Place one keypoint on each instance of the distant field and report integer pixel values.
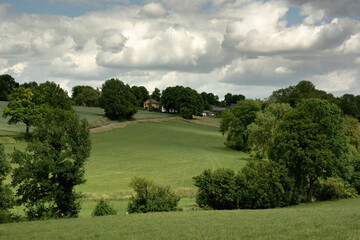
(324, 220)
(170, 153)
(5, 127)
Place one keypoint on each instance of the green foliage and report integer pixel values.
(333, 188)
(235, 122)
(7, 84)
(53, 96)
(118, 100)
(185, 113)
(23, 107)
(52, 165)
(261, 131)
(156, 95)
(294, 94)
(209, 99)
(311, 143)
(85, 96)
(260, 184)
(6, 199)
(141, 94)
(233, 99)
(175, 98)
(264, 184)
(151, 198)
(103, 208)
(217, 189)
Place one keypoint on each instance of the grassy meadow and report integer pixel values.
(171, 153)
(324, 220)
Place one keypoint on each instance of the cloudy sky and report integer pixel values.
(238, 46)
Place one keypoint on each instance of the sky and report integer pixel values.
(249, 47)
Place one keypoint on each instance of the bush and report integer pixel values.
(217, 189)
(264, 184)
(333, 188)
(151, 198)
(103, 208)
(185, 113)
(260, 184)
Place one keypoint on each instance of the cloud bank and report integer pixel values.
(218, 46)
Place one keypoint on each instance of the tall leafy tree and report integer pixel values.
(54, 96)
(23, 107)
(233, 99)
(52, 166)
(235, 122)
(118, 100)
(7, 84)
(311, 143)
(261, 131)
(156, 95)
(141, 94)
(85, 96)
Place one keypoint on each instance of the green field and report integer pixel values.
(170, 153)
(324, 220)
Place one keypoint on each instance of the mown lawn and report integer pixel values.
(324, 220)
(169, 153)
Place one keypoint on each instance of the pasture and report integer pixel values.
(323, 220)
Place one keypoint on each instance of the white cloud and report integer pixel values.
(230, 46)
(153, 10)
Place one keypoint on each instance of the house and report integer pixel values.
(154, 104)
(208, 113)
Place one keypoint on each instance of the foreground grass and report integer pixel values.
(169, 153)
(325, 220)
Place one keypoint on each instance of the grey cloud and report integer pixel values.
(111, 40)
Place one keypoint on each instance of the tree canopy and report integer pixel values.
(7, 84)
(85, 96)
(52, 165)
(118, 100)
(235, 122)
(175, 99)
(311, 143)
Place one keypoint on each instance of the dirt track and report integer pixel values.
(116, 125)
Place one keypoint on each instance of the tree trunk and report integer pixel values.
(310, 191)
(27, 128)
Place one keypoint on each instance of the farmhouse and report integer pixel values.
(154, 104)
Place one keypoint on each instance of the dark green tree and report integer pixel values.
(141, 94)
(156, 95)
(233, 99)
(209, 99)
(235, 122)
(118, 100)
(294, 94)
(311, 143)
(30, 85)
(7, 84)
(6, 201)
(85, 96)
(52, 165)
(54, 96)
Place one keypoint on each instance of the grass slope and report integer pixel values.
(325, 220)
(170, 153)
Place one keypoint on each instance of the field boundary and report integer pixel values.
(118, 125)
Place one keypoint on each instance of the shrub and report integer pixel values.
(333, 188)
(264, 184)
(103, 208)
(216, 189)
(185, 113)
(151, 198)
